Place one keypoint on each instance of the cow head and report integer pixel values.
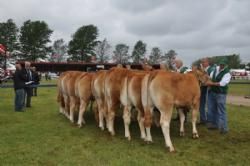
(201, 75)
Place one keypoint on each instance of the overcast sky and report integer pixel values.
(193, 28)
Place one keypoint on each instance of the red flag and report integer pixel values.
(2, 49)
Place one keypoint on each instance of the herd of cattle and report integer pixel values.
(143, 90)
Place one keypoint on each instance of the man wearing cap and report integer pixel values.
(203, 99)
(217, 116)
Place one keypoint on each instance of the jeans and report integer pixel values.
(19, 99)
(203, 99)
(217, 114)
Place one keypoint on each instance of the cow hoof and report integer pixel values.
(182, 134)
(112, 133)
(172, 150)
(79, 126)
(195, 135)
(102, 128)
(148, 141)
(129, 138)
(143, 138)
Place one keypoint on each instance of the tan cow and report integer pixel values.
(131, 97)
(63, 98)
(99, 93)
(69, 95)
(113, 85)
(84, 93)
(60, 98)
(164, 90)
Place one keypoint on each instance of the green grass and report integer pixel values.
(41, 136)
(239, 89)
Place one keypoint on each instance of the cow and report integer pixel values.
(112, 85)
(98, 92)
(131, 97)
(84, 93)
(60, 98)
(166, 90)
(69, 95)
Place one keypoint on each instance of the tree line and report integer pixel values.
(32, 42)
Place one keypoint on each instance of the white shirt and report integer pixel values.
(225, 79)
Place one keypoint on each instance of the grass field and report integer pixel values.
(41, 136)
(239, 89)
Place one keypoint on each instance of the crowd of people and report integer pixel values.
(25, 81)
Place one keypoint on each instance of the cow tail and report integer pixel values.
(92, 85)
(147, 112)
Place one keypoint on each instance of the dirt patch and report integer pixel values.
(238, 100)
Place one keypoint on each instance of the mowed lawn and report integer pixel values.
(239, 89)
(42, 136)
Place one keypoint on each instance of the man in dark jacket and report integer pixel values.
(36, 80)
(19, 84)
(28, 87)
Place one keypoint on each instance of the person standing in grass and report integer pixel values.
(19, 84)
(28, 87)
(217, 115)
(36, 79)
(204, 91)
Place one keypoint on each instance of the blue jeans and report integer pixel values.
(217, 114)
(19, 99)
(203, 101)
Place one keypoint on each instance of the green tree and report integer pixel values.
(155, 55)
(102, 51)
(34, 37)
(8, 36)
(121, 53)
(138, 52)
(59, 51)
(83, 43)
(232, 60)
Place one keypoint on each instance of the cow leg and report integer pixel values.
(100, 113)
(127, 120)
(66, 101)
(194, 120)
(61, 102)
(81, 120)
(140, 120)
(95, 110)
(148, 123)
(72, 109)
(165, 126)
(111, 118)
(182, 120)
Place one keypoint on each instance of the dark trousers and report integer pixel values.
(34, 91)
(28, 94)
(203, 101)
(19, 99)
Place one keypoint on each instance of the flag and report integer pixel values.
(2, 49)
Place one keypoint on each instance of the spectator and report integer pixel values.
(19, 85)
(36, 80)
(217, 115)
(203, 99)
(28, 87)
